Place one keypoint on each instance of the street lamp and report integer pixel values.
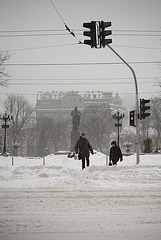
(118, 117)
(5, 118)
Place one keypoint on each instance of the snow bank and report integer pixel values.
(65, 173)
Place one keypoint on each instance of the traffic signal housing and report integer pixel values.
(97, 33)
(104, 33)
(91, 34)
(132, 118)
(144, 108)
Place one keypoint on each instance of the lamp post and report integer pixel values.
(5, 118)
(118, 117)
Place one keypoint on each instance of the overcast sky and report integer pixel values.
(136, 27)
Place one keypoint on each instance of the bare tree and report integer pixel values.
(128, 135)
(96, 121)
(156, 120)
(22, 112)
(52, 135)
(4, 75)
(144, 128)
(150, 127)
(58, 134)
(1, 142)
(28, 139)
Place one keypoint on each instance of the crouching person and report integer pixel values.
(83, 149)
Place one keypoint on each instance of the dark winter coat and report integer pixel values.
(84, 147)
(115, 154)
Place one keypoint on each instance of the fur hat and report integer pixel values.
(113, 142)
(83, 134)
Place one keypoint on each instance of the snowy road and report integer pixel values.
(47, 214)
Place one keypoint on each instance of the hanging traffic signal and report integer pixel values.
(105, 33)
(97, 34)
(91, 34)
(144, 108)
(132, 118)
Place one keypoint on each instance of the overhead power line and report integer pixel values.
(73, 83)
(31, 30)
(77, 30)
(34, 35)
(80, 81)
(153, 48)
(35, 94)
(83, 79)
(74, 44)
(67, 28)
(78, 64)
(80, 34)
(42, 47)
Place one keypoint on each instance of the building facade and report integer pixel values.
(60, 104)
(54, 120)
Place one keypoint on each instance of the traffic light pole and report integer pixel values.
(137, 104)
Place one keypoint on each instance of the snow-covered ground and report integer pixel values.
(59, 201)
(61, 172)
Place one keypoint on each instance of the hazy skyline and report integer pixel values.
(53, 45)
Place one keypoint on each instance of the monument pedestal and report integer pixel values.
(74, 138)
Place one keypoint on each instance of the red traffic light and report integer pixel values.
(132, 118)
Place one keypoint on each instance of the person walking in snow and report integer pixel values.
(83, 149)
(115, 153)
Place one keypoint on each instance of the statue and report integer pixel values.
(75, 119)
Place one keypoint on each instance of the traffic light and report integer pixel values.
(91, 34)
(97, 34)
(132, 118)
(144, 108)
(104, 33)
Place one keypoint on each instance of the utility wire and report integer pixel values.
(78, 30)
(72, 83)
(83, 79)
(79, 64)
(35, 94)
(74, 44)
(138, 35)
(67, 28)
(43, 47)
(65, 34)
(153, 48)
(32, 30)
(52, 30)
(57, 11)
(35, 35)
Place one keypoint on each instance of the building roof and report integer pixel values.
(117, 98)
